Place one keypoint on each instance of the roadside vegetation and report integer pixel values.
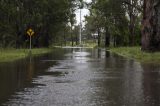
(137, 54)
(11, 54)
(125, 23)
(50, 20)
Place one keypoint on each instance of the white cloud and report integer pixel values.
(83, 13)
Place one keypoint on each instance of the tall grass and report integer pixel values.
(14, 54)
(136, 53)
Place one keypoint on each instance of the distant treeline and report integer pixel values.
(126, 22)
(48, 18)
(117, 22)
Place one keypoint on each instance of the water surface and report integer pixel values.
(79, 77)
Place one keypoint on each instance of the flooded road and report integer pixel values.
(79, 77)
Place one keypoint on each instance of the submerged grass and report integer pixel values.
(14, 54)
(136, 53)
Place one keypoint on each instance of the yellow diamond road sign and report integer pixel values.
(30, 32)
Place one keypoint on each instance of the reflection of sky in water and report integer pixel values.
(85, 77)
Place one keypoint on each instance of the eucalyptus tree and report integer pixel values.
(121, 20)
(112, 15)
(134, 11)
(151, 25)
(95, 24)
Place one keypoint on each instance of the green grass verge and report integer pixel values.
(136, 53)
(7, 55)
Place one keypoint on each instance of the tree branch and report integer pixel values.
(138, 8)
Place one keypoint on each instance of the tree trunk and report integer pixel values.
(64, 37)
(132, 17)
(107, 38)
(114, 41)
(151, 26)
(76, 39)
(132, 30)
(99, 38)
(72, 36)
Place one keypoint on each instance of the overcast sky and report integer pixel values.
(84, 12)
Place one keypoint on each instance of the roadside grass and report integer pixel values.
(136, 53)
(11, 54)
(86, 43)
(91, 45)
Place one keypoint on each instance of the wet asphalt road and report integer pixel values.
(79, 77)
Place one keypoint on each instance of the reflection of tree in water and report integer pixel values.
(30, 70)
(19, 74)
(132, 83)
(107, 78)
(96, 53)
(114, 61)
(151, 84)
(107, 53)
(12, 78)
(99, 53)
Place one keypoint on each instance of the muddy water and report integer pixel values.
(79, 77)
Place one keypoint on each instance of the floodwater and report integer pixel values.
(79, 77)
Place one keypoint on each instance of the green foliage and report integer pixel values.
(11, 54)
(114, 18)
(136, 53)
(45, 17)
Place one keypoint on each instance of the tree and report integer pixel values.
(94, 24)
(151, 25)
(45, 17)
(121, 20)
(113, 19)
(133, 10)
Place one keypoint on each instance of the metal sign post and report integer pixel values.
(80, 29)
(30, 32)
(30, 47)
